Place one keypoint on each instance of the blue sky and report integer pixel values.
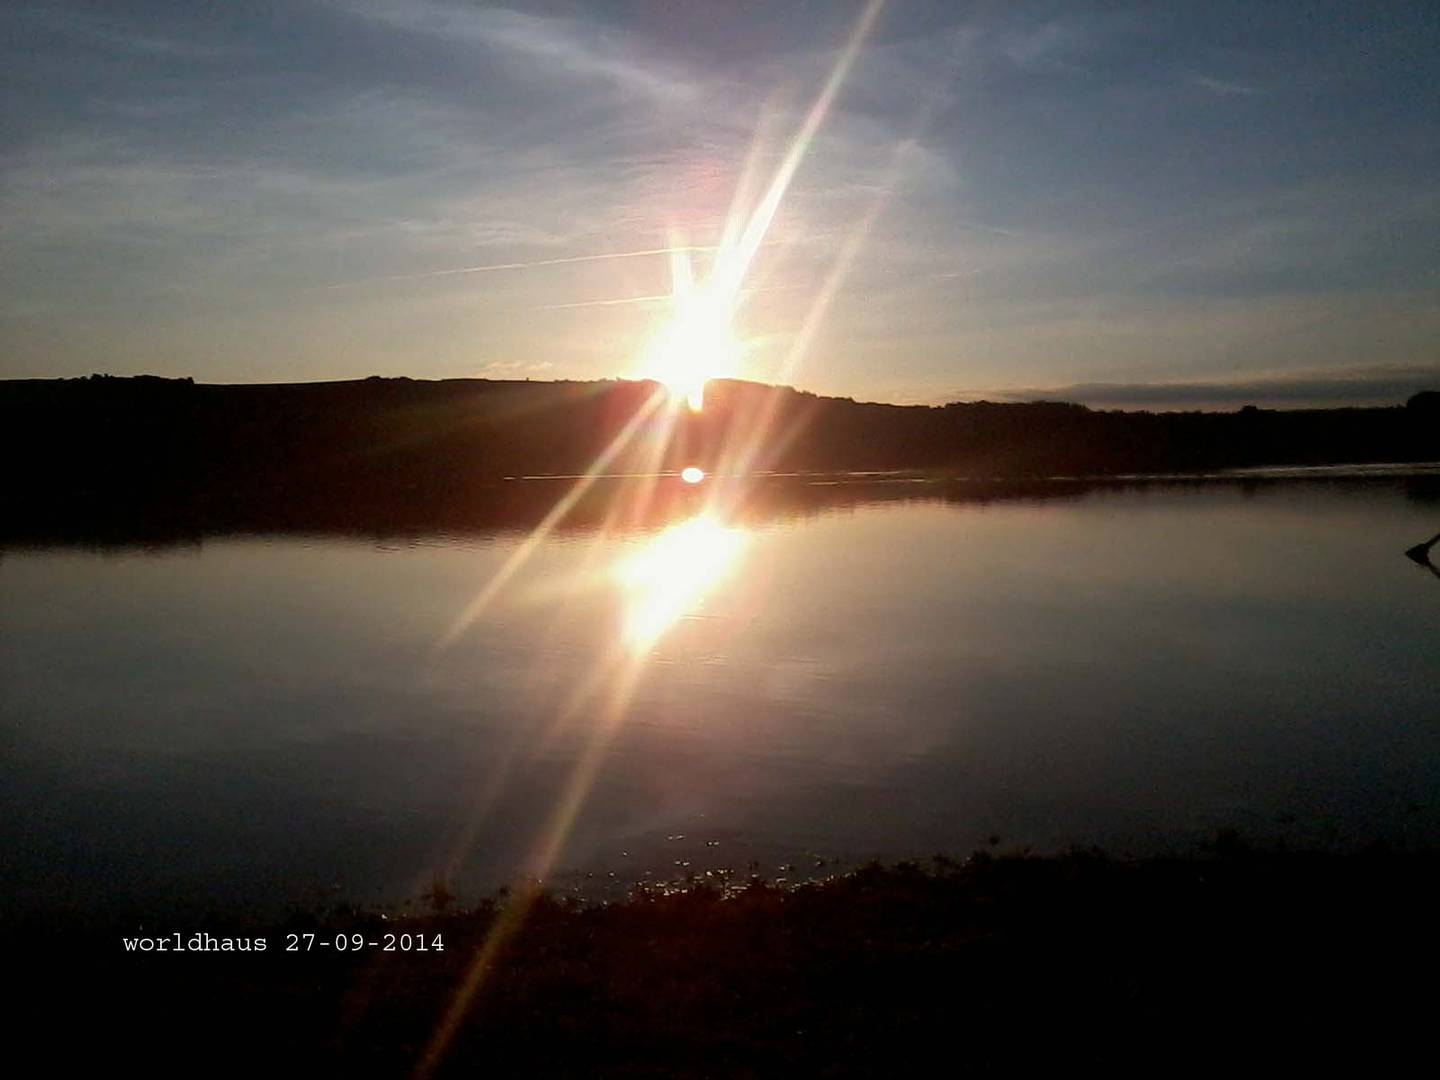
(1136, 204)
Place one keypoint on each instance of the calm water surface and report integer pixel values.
(277, 719)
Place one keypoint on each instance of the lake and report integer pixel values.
(793, 677)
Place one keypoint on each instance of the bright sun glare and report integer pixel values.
(696, 344)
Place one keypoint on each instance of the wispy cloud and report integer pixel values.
(108, 34)
(1223, 87)
(1051, 44)
(533, 264)
(1357, 386)
(568, 48)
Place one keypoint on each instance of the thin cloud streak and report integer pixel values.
(658, 297)
(620, 301)
(495, 267)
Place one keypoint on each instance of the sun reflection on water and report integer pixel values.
(672, 574)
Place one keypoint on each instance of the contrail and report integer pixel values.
(493, 267)
(656, 298)
(607, 303)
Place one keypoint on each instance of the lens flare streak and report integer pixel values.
(697, 343)
(675, 572)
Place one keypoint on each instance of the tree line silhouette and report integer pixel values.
(103, 445)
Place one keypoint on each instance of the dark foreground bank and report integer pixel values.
(998, 965)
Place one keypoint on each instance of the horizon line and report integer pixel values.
(1228, 397)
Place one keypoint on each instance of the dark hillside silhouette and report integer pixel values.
(95, 447)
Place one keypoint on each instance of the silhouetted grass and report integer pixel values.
(999, 964)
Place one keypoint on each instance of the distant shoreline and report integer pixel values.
(519, 505)
(118, 452)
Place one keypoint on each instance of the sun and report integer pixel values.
(696, 343)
